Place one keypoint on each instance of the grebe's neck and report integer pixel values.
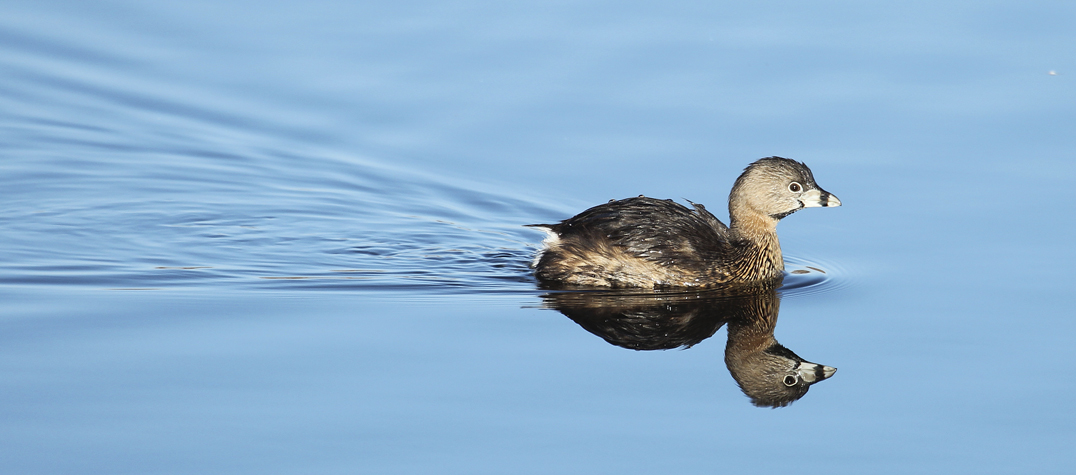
(760, 251)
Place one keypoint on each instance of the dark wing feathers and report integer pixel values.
(658, 230)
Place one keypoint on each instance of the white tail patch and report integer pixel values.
(551, 239)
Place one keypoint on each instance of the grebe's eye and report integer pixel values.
(791, 380)
(795, 187)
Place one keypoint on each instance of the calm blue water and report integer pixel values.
(251, 238)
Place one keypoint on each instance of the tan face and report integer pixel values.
(777, 187)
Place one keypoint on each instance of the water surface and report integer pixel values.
(243, 238)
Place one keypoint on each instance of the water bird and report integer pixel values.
(651, 243)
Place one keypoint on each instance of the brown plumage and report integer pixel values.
(650, 243)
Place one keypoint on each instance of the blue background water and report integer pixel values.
(251, 238)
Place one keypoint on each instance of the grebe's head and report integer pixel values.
(776, 187)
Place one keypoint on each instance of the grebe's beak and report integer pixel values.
(819, 198)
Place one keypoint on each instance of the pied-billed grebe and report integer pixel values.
(650, 243)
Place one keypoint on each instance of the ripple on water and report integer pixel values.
(805, 277)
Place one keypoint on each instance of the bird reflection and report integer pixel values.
(767, 372)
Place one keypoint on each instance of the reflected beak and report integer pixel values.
(819, 198)
(813, 373)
